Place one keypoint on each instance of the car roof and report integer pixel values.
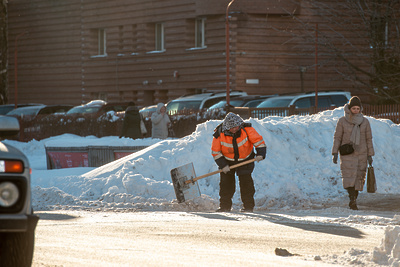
(294, 97)
(20, 110)
(300, 95)
(36, 109)
(252, 97)
(148, 108)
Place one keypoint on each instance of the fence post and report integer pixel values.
(292, 109)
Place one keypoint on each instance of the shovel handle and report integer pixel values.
(219, 171)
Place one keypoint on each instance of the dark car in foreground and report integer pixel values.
(17, 221)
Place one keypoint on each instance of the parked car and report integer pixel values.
(17, 220)
(4, 109)
(147, 111)
(198, 102)
(250, 101)
(96, 108)
(219, 110)
(325, 100)
(32, 112)
(302, 101)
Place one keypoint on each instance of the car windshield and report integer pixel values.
(253, 103)
(177, 106)
(275, 103)
(222, 104)
(83, 109)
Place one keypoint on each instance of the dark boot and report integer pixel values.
(353, 203)
(223, 210)
(353, 194)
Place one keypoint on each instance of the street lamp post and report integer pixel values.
(16, 68)
(227, 52)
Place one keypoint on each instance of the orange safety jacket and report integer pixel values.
(224, 145)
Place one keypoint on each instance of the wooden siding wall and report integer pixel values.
(281, 55)
(58, 59)
(49, 54)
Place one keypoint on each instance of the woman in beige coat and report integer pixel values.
(353, 129)
(160, 122)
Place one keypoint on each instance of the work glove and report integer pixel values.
(259, 158)
(369, 158)
(226, 169)
(334, 158)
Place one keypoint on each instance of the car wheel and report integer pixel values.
(16, 249)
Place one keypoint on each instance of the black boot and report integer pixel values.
(353, 194)
(353, 203)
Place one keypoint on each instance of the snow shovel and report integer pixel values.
(184, 180)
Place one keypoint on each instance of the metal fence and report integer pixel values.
(390, 112)
(182, 123)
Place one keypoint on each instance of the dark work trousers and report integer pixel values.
(227, 189)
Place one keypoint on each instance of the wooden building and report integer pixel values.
(150, 51)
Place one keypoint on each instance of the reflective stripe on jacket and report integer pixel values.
(239, 148)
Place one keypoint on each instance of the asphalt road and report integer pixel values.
(81, 238)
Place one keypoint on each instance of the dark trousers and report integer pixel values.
(227, 187)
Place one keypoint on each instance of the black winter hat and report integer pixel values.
(354, 101)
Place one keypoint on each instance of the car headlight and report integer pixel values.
(11, 166)
(9, 194)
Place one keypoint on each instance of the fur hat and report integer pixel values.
(354, 101)
(231, 120)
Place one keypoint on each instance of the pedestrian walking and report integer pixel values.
(234, 142)
(133, 125)
(353, 133)
(160, 122)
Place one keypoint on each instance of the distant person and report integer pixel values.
(133, 123)
(234, 142)
(355, 130)
(160, 122)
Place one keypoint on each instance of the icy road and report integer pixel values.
(88, 238)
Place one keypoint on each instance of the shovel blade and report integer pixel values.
(185, 191)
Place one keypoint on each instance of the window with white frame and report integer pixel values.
(101, 37)
(159, 37)
(200, 26)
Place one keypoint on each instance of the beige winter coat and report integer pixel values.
(160, 123)
(353, 166)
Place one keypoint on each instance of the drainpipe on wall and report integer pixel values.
(227, 54)
(16, 68)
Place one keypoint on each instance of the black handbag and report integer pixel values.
(346, 149)
(371, 180)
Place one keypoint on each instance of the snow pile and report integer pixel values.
(388, 253)
(297, 173)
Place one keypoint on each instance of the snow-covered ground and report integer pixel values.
(297, 177)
